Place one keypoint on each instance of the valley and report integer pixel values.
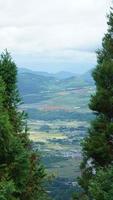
(58, 121)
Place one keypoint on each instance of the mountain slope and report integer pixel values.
(63, 75)
(30, 82)
(58, 75)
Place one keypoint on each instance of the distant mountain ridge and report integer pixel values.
(34, 82)
(29, 83)
(64, 75)
(59, 75)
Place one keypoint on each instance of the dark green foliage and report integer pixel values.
(98, 145)
(8, 73)
(21, 174)
(101, 185)
(102, 101)
(7, 189)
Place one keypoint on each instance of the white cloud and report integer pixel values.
(51, 28)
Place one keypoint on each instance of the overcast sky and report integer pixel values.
(53, 35)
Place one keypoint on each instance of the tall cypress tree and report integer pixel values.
(8, 184)
(98, 145)
(21, 174)
(8, 72)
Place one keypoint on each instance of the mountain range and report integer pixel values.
(32, 82)
(59, 75)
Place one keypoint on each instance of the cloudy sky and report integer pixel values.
(53, 35)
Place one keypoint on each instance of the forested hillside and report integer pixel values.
(31, 82)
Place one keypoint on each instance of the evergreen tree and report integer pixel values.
(8, 72)
(98, 145)
(101, 185)
(21, 173)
